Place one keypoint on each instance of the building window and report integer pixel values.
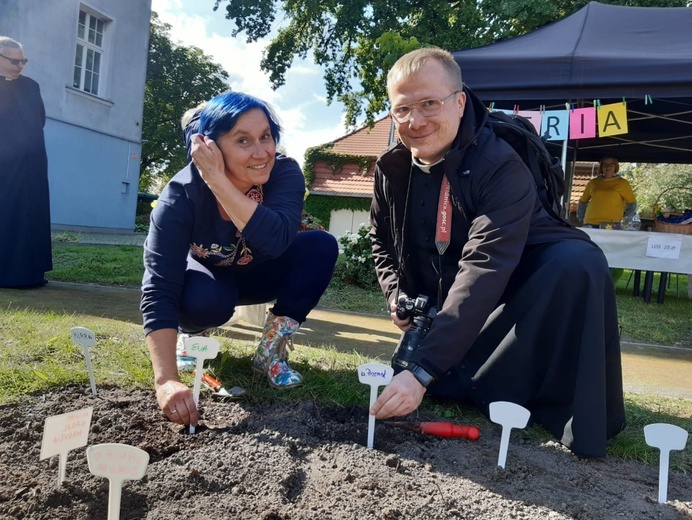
(89, 52)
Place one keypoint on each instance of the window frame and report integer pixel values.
(87, 52)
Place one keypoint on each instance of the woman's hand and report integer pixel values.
(175, 400)
(400, 397)
(208, 159)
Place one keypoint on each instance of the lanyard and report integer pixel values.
(444, 219)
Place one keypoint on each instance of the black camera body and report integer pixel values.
(422, 314)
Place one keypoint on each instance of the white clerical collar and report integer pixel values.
(425, 168)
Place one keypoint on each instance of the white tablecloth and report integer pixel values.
(628, 249)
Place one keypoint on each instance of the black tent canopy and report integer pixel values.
(606, 53)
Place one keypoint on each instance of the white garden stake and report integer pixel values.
(201, 348)
(375, 375)
(86, 339)
(508, 415)
(117, 463)
(665, 437)
(65, 432)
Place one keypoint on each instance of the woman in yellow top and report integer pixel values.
(607, 197)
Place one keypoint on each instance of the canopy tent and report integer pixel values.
(606, 53)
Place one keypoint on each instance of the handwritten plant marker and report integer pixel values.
(201, 348)
(117, 463)
(65, 432)
(375, 375)
(665, 437)
(86, 339)
(508, 415)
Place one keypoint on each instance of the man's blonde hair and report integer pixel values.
(412, 62)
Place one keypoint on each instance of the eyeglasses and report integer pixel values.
(427, 108)
(15, 61)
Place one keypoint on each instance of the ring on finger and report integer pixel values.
(174, 411)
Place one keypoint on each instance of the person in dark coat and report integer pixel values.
(24, 199)
(524, 305)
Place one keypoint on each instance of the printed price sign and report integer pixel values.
(62, 433)
(664, 247)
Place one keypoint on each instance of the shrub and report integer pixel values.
(358, 266)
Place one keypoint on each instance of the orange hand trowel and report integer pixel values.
(219, 390)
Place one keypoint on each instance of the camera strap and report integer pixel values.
(443, 229)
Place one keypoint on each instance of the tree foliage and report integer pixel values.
(357, 41)
(669, 185)
(178, 78)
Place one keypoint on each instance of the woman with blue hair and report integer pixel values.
(225, 233)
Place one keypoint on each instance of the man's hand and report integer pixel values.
(400, 397)
(175, 400)
(404, 324)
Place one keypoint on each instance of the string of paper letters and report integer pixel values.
(577, 123)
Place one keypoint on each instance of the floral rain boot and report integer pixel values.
(271, 357)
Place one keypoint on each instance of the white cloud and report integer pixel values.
(301, 103)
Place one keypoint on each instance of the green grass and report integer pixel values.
(666, 324)
(103, 265)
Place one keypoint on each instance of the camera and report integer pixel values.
(422, 314)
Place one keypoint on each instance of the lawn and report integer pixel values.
(665, 324)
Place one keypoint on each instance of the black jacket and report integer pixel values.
(497, 214)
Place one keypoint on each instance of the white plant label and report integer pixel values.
(201, 348)
(375, 375)
(508, 415)
(86, 339)
(665, 437)
(117, 463)
(65, 432)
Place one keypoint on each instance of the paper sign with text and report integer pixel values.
(65, 432)
(612, 119)
(117, 461)
(534, 117)
(83, 337)
(582, 123)
(201, 347)
(664, 247)
(375, 374)
(555, 125)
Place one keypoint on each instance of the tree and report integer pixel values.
(357, 41)
(178, 78)
(669, 185)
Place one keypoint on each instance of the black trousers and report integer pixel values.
(552, 345)
(296, 280)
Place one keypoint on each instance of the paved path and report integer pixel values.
(649, 369)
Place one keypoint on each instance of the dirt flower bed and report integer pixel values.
(308, 461)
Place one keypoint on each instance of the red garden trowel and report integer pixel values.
(218, 389)
(440, 429)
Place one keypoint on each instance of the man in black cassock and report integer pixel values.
(526, 308)
(24, 199)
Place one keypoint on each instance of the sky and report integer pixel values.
(301, 103)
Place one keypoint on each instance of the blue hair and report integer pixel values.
(222, 113)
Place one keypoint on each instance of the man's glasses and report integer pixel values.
(427, 108)
(15, 61)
